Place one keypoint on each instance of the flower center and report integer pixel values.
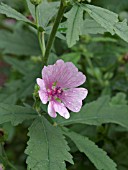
(55, 92)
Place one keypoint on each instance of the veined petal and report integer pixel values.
(41, 84)
(51, 110)
(42, 92)
(61, 109)
(70, 77)
(73, 97)
(43, 96)
(65, 74)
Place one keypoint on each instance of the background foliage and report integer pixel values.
(94, 138)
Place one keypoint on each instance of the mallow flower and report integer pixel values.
(58, 86)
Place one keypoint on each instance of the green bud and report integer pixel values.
(3, 136)
(35, 94)
(36, 2)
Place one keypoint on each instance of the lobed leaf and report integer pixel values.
(15, 114)
(99, 112)
(47, 148)
(121, 29)
(74, 24)
(46, 11)
(12, 13)
(108, 20)
(96, 155)
(92, 27)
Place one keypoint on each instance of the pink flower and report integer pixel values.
(58, 86)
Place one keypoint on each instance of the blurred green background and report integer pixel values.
(102, 58)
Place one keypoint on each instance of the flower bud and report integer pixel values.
(36, 2)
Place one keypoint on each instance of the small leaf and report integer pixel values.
(96, 155)
(74, 23)
(121, 29)
(92, 27)
(12, 13)
(99, 112)
(15, 114)
(47, 148)
(46, 11)
(107, 19)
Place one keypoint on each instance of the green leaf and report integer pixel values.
(8, 99)
(19, 65)
(92, 27)
(12, 13)
(15, 114)
(99, 112)
(108, 20)
(28, 82)
(96, 155)
(73, 56)
(121, 29)
(8, 94)
(58, 34)
(47, 148)
(74, 24)
(31, 8)
(20, 42)
(46, 11)
(104, 17)
(24, 87)
(119, 98)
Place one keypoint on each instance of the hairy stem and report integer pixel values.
(40, 34)
(53, 32)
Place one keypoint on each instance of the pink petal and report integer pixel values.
(61, 109)
(43, 96)
(41, 84)
(65, 74)
(42, 92)
(47, 75)
(51, 110)
(72, 98)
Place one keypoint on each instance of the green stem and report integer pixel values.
(6, 158)
(53, 32)
(43, 44)
(40, 34)
(0, 149)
